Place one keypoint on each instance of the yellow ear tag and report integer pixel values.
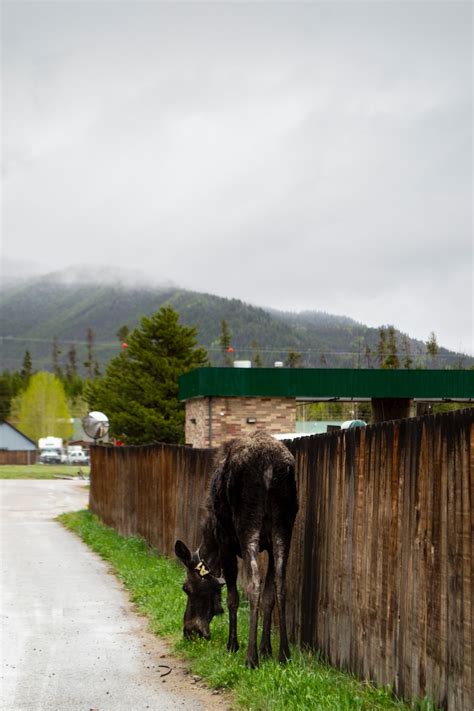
(202, 570)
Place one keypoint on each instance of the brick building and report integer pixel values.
(213, 420)
(222, 403)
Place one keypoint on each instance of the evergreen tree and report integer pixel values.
(432, 348)
(391, 361)
(42, 410)
(55, 353)
(26, 368)
(359, 342)
(71, 365)
(224, 342)
(368, 357)
(382, 347)
(256, 357)
(122, 333)
(293, 360)
(407, 359)
(5, 397)
(73, 384)
(139, 391)
(91, 364)
(11, 385)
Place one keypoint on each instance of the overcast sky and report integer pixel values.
(296, 155)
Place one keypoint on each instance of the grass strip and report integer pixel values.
(305, 683)
(41, 471)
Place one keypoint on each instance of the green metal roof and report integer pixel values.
(317, 383)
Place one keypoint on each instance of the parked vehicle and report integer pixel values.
(350, 424)
(51, 450)
(77, 456)
(50, 443)
(51, 456)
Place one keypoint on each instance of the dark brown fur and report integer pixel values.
(251, 507)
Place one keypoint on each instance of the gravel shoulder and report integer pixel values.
(70, 637)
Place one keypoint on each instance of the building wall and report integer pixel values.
(218, 419)
(10, 438)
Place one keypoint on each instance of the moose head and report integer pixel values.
(203, 590)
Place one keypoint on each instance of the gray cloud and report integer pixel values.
(314, 155)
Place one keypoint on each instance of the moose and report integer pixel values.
(251, 507)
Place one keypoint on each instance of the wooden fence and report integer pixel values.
(13, 456)
(381, 569)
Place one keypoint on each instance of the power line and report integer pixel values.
(240, 349)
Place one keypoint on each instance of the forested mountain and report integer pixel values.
(34, 313)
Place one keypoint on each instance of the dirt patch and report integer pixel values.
(162, 667)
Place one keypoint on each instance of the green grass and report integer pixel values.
(40, 471)
(304, 684)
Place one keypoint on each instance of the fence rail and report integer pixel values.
(381, 571)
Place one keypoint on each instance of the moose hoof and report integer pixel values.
(251, 662)
(265, 652)
(233, 646)
(284, 656)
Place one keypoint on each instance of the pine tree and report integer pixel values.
(55, 353)
(91, 364)
(368, 356)
(71, 366)
(73, 384)
(11, 385)
(224, 342)
(5, 397)
(122, 333)
(407, 359)
(139, 391)
(432, 348)
(382, 347)
(359, 342)
(26, 368)
(391, 361)
(293, 360)
(256, 356)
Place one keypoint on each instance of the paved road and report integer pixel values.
(70, 640)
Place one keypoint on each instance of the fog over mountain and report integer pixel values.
(65, 306)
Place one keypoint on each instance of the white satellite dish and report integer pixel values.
(96, 425)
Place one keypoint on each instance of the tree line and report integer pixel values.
(139, 387)
(138, 390)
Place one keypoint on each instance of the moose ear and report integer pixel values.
(182, 552)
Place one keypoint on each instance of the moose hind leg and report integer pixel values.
(253, 592)
(281, 558)
(230, 575)
(268, 603)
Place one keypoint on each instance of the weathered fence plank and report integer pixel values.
(20, 456)
(381, 570)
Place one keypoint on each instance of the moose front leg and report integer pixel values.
(230, 575)
(253, 591)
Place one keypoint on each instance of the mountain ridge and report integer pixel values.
(35, 311)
